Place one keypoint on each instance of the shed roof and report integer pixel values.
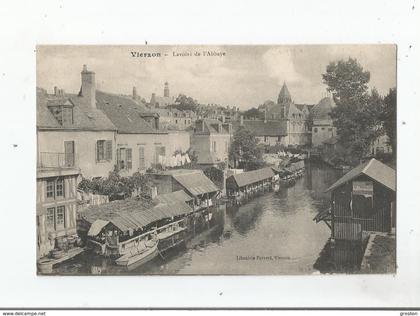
(179, 196)
(249, 177)
(374, 169)
(195, 182)
(133, 214)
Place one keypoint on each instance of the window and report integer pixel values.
(315, 130)
(103, 150)
(278, 138)
(265, 139)
(125, 158)
(55, 188)
(214, 146)
(50, 188)
(59, 187)
(323, 128)
(160, 151)
(59, 217)
(69, 153)
(56, 217)
(142, 164)
(50, 216)
(176, 121)
(63, 114)
(329, 129)
(226, 147)
(185, 122)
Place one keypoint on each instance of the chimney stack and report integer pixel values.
(88, 90)
(242, 120)
(55, 90)
(134, 93)
(265, 115)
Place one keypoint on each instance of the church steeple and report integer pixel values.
(284, 95)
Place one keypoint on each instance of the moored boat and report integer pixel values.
(139, 256)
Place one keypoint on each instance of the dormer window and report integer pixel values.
(62, 113)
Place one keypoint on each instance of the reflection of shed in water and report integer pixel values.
(363, 200)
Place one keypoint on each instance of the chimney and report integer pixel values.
(242, 120)
(88, 90)
(166, 90)
(134, 93)
(55, 90)
(265, 115)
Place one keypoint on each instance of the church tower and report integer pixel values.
(284, 100)
(284, 95)
(166, 90)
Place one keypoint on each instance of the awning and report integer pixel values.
(96, 227)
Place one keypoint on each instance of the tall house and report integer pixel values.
(72, 131)
(56, 204)
(211, 142)
(322, 123)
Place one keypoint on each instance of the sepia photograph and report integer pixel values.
(216, 160)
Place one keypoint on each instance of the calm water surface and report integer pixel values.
(272, 234)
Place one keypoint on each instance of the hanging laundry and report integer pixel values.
(183, 160)
(187, 158)
(178, 159)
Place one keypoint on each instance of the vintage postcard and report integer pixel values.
(216, 160)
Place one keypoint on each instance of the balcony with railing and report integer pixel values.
(56, 160)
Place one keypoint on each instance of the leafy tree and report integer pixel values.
(253, 113)
(389, 117)
(245, 151)
(357, 114)
(184, 102)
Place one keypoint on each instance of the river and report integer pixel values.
(273, 234)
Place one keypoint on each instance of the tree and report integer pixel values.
(185, 103)
(245, 151)
(389, 117)
(357, 114)
(253, 113)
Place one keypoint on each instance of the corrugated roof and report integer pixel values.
(124, 113)
(261, 128)
(249, 177)
(133, 214)
(374, 169)
(195, 182)
(179, 196)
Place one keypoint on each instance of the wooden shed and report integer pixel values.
(363, 200)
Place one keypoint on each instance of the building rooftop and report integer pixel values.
(125, 114)
(264, 128)
(249, 177)
(84, 116)
(374, 169)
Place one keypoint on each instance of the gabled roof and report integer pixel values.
(261, 128)
(124, 113)
(249, 177)
(374, 169)
(210, 127)
(194, 181)
(84, 116)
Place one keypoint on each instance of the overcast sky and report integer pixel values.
(245, 77)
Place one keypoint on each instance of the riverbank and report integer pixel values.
(380, 254)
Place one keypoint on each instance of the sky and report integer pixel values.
(244, 76)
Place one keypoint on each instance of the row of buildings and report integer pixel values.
(289, 124)
(91, 133)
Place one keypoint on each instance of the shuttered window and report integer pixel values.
(129, 159)
(108, 153)
(142, 164)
